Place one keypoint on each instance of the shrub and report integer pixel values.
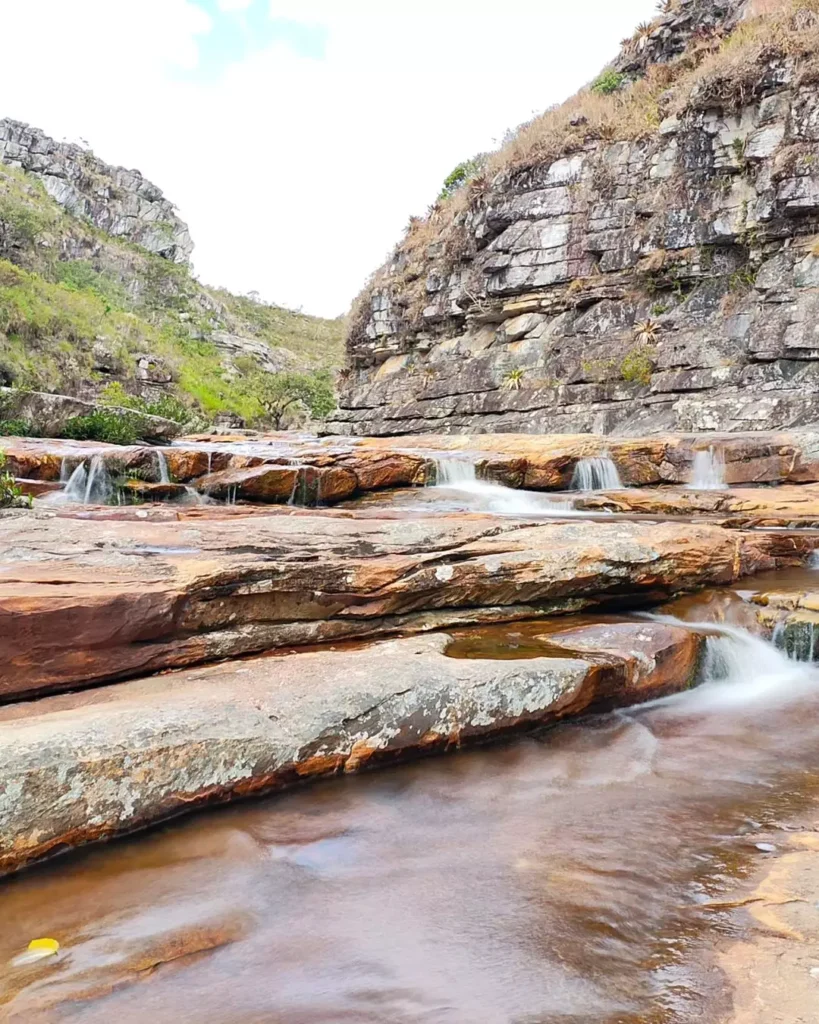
(513, 379)
(169, 407)
(637, 366)
(10, 493)
(17, 428)
(463, 173)
(104, 425)
(646, 330)
(609, 82)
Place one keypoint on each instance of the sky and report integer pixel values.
(296, 137)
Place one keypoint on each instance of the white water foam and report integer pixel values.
(454, 470)
(457, 476)
(708, 471)
(162, 465)
(739, 670)
(89, 484)
(599, 474)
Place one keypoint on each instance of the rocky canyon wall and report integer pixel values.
(643, 258)
(121, 202)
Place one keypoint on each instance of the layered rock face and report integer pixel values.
(88, 766)
(642, 260)
(121, 202)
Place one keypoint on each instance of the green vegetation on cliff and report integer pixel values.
(80, 310)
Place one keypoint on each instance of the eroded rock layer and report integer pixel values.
(305, 470)
(86, 600)
(88, 766)
(642, 259)
(121, 202)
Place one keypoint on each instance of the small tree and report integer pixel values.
(463, 173)
(280, 393)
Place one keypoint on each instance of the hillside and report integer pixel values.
(97, 296)
(643, 257)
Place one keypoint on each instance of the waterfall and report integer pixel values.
(708, 472)
(454, 470)
(89, 484)
(162, 466)
(598, 474)
(740, 669)
(457, 478)
(74, 489)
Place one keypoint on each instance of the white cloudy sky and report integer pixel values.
(297, 136)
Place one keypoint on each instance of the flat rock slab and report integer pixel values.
(85, 601)
(87, 766)
(786, 502)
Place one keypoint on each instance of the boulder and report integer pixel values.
(259, 483)
(50, 413)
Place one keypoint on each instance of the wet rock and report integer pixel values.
(535, 462)
(93, 765)
(145, 490)
(37, 488)
(77, 608)
(259, 483)
(783, 504)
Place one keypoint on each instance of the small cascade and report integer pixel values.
(454, 471)
(162, 467)
(194, 497)
(75, 485)
(740, 669)
(65, 471)
(456, 476)
(599, 474)
(89, 484)
(708, 471)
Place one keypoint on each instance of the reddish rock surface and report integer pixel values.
(784, 502)
(87, 766)
(260, 483)
(86, 600)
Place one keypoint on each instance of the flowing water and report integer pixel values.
(162, 467)
(457, 488)
(600, 474)
(89, 484)
(708, 471)
(573, 877)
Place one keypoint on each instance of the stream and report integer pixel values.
(564, 878)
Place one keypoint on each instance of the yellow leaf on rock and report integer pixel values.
(46, 945)
(37, 949)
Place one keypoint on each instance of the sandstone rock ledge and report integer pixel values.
(84, 601)
(87, 766)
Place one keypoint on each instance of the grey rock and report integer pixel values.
(121, 202)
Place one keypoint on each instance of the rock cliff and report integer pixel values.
(120, 202)
(642, 258)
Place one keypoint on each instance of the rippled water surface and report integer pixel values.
(564, 878)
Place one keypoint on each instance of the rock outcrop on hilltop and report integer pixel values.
(97, 297)
(643, 258)
(121, 202)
